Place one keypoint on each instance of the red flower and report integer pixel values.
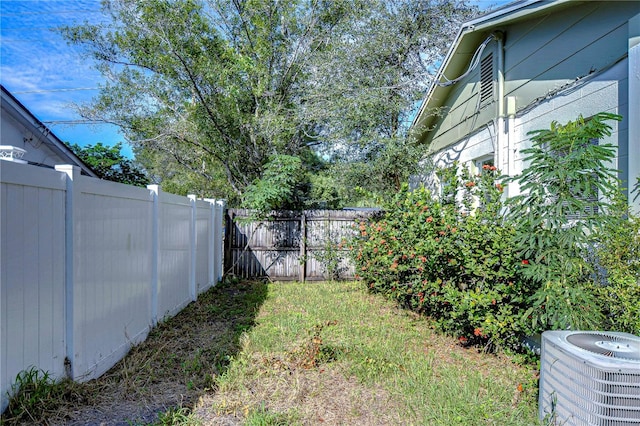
(462, 339)
(470, 184)
(485, 167)
(525, 262)
(430, 219)
(477, 332)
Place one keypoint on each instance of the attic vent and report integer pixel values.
(486, 79)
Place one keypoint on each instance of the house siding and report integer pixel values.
(549, 53)
(543, 55)
(607, 92)
(14, 134)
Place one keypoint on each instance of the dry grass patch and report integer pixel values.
(166, 374)
(322, 395)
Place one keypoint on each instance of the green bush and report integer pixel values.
(563, 206)
(616, 282)
(566, 255)
(449, 260)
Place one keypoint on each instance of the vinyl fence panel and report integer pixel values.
(174, 259)
(32, 276)
(89, 266)
(112, 299)
(203, 229)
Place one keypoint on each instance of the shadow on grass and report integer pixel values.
(168, 372)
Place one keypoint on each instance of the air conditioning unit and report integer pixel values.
(590, 378)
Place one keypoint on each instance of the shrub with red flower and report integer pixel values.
(464, 263)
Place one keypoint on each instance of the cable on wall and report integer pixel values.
(475, 60)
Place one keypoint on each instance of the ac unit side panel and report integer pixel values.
(582, 378)
(581, 389)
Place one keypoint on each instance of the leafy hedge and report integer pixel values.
(492, 278)
(438, 259)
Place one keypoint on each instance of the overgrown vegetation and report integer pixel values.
(209, 92)
(35, 395)
(555, 261)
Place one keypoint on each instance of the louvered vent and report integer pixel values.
(486, 79)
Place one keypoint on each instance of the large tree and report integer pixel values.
(366, 85)
(218, 88)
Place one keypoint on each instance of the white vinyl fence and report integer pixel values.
(88, 267)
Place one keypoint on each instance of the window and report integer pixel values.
(480, 164)
(587, 195)
(483, 161)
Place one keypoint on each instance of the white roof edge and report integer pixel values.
(28, 117)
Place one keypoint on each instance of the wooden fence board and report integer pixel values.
(290, 245)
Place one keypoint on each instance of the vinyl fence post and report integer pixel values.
(211, 235)
(303, 247)
(219, 239)
(155, 251)
(71, 204)
(192, 248)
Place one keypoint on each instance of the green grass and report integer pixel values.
(35, 393)
(307, 330)
(289, 354)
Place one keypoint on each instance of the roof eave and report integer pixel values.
(491, 20)
(30, 120)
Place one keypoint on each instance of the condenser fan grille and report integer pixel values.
(607, 345)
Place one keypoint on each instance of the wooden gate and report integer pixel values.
(306, 245)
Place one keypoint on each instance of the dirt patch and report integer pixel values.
(321, 395)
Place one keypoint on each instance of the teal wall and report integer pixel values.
(543, 54)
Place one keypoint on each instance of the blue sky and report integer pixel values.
(47, 75)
